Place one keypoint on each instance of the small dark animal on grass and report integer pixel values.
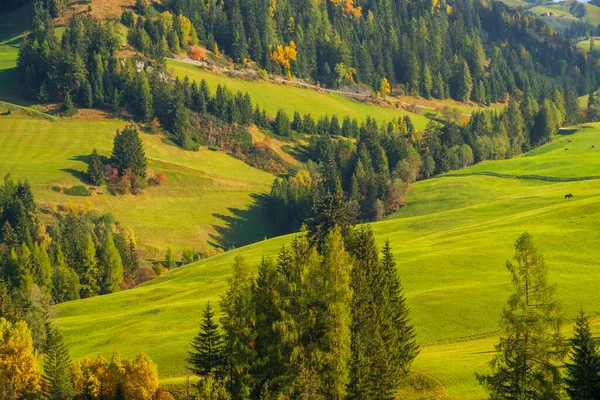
(593, 147)
(568, 196)
(566, 149)
(570, 140)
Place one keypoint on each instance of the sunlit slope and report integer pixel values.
(574, 153)
(273, 96)
(203, 192)
(451, 241)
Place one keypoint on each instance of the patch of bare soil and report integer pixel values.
(101, 9)
(273, 144)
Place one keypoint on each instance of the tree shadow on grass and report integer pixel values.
(244, 226)
(81, 175)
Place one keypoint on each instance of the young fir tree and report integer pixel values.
(206, 357)
(403, 346)
(112, 266)
(170, 258)
(329, 298)
(583, 381)
(90, 276)
(143, 110)
(56, 381)
(239, 335)
(525, 364)
(128, 152)
(96, 169)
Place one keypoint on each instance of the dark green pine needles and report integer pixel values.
(206, 356)
(583, 381)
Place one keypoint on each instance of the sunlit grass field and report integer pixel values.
(272, 97)
(204, 190)
(567, 156)
(451, 241)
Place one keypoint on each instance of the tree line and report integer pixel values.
(372, 174)
(462, 50)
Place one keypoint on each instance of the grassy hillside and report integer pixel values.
(565, 12)
(204, 194)
(451, 242)
(554, 160)
(272, 97)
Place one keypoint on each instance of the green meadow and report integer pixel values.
(272, 97)
(451, 241)
(567, 156)
(205, 191)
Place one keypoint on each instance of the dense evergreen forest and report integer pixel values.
(462, 49)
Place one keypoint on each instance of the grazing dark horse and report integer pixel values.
(566, 149)
(593, 147)
(570, 140)
(568, 196)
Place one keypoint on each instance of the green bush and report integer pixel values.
(77, 190)
(57, 189)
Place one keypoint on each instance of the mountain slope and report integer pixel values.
(451, 242)
(205, 192)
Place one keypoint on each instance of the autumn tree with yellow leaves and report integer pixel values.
(101, 379)
(348, 7)
(284, 55)
(19, 376)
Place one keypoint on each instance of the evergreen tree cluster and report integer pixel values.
(76, 255)
(372, 174)
(319, 323)
(466, 50)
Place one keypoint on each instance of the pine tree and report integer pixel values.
(180, 124)
(91, 274)
(282, 125)
(463, 82)
(524, 366)
(111, 266)
(87, 95)
(143, 109)
(128, 152)
(68, 107)
(583, 381)
(427, 81)
(403, 344)
(56, 381)
(329, 210)
(66, 284)
(329, 298)
(95, 170)
(239, 335)
(170, 258)
(207, 357)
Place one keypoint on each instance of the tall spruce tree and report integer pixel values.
(56, 381)
(239, 335)
(525, 364)
(96, 169)
(402, 344)
(111, 266)
(206, 357)
(329, 298)
(583, 380)
(128, 152)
